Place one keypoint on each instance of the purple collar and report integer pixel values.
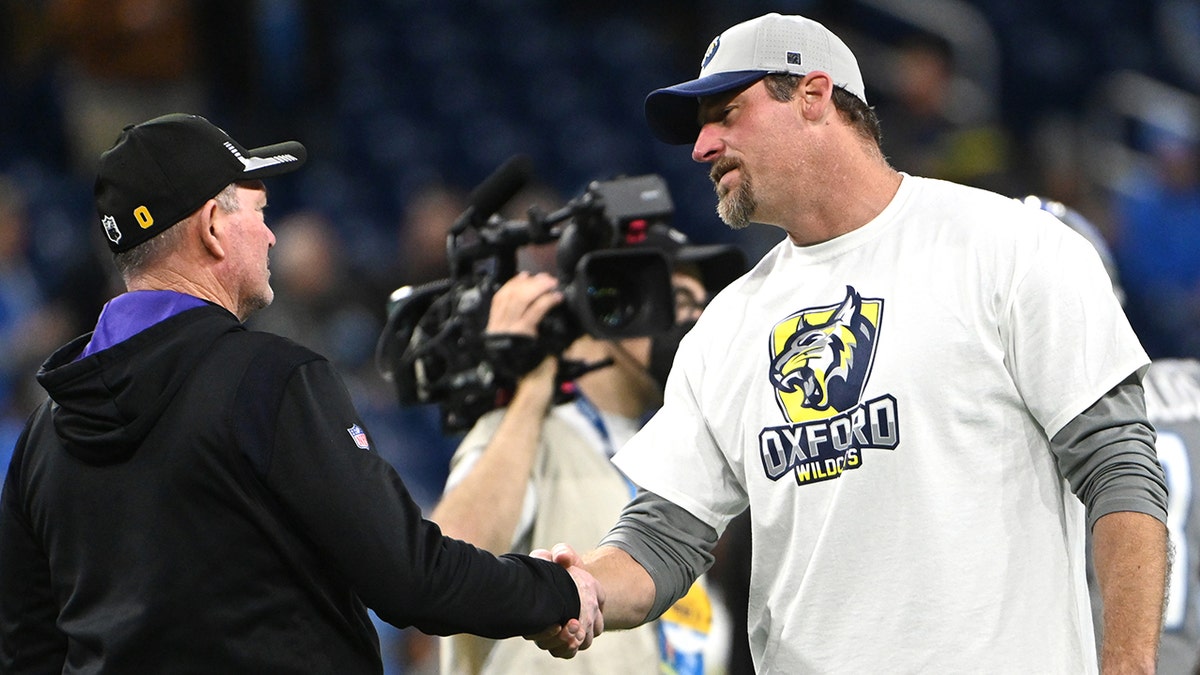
(131, 313)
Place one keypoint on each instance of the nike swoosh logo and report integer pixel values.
(256, 163)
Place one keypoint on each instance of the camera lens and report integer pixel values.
(613, 300)
(622, 293)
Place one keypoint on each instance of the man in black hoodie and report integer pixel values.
(198, 497)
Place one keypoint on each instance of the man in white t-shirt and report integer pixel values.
(926, 394)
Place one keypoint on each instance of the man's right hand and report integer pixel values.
(521, 303)
(566, 641)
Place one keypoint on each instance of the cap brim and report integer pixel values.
(672, 112)
(272, 160)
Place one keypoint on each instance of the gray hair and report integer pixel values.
(136, 260)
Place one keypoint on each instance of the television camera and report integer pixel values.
(433, 347)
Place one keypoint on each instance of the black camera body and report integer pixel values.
(433, 347)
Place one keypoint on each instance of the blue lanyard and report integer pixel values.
(592, 414)
(675, 659)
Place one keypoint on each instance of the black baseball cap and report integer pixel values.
(162, 170)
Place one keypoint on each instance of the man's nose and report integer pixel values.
(708, 145)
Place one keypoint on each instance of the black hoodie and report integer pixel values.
(195, 499)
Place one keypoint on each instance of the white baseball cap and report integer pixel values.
(745, 53)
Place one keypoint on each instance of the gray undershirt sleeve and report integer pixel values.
(1107, 455)
(673, 546)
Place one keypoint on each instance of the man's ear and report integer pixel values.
(211, 227)
(815, 95)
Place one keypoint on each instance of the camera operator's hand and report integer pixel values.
(522, 302)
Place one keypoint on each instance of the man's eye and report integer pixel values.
(686, 301)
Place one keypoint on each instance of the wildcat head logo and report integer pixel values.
(821, 360)
(821, 356)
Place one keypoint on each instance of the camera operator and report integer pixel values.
(517, 475)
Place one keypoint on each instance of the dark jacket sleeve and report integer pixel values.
(30, 642)
(360, 517)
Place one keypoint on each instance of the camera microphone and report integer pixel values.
(494, 192)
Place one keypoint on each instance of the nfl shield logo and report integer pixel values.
(111, 230)
(360, 437)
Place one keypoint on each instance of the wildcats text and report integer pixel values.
(822, 449)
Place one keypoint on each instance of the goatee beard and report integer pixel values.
(734, 206)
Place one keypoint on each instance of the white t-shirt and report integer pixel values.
(883, 402)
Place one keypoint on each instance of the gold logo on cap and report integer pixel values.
(142, 215)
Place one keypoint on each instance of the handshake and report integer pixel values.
(567, 640)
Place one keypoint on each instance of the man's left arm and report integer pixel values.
(1130, 555)
(1107, 454)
